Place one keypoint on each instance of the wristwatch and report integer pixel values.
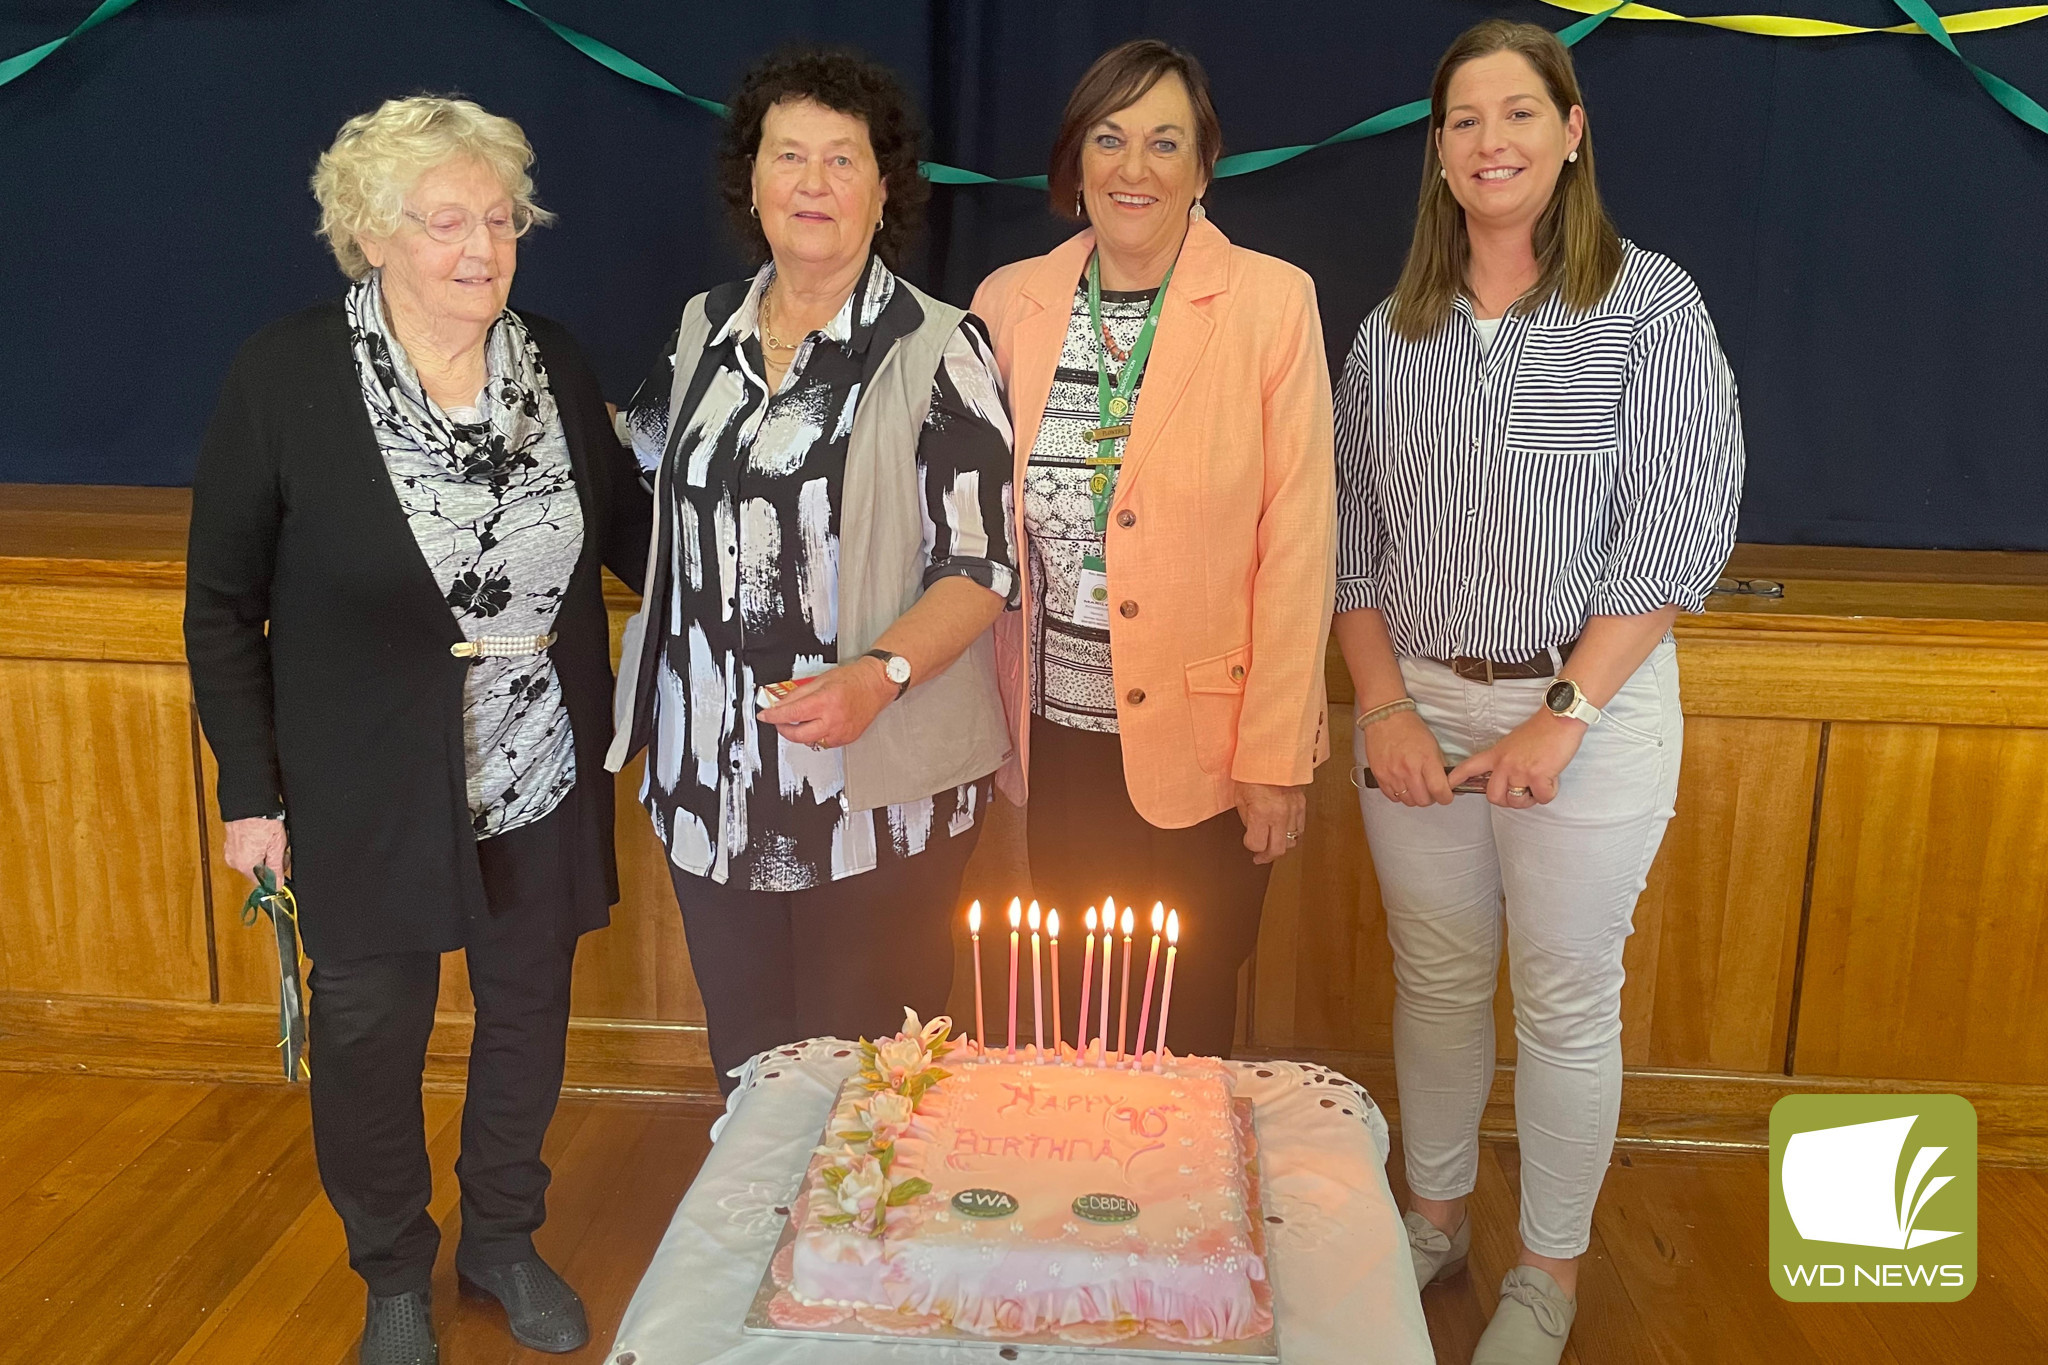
(894, 667)
(1565, 699)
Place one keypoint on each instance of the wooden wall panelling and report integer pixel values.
(1901, 671)
(1927, 955)
(639, 968)
(100, 885)
(1710, 965)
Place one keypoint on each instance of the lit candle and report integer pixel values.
(1108, 948)
(1016, 918)
(1151, 966)
(1166, 991)
(1123, 1009)
(1087, 975)
(974, 932)
(1037, 991)
(1052, 937)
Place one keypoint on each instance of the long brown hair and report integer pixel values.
(1577, 249)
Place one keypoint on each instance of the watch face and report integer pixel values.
(898, 669)
(1559, 697)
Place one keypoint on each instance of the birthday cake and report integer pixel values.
(1064, 1193)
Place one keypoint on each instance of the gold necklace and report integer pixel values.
(768, 337)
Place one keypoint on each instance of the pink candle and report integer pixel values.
(974, 932)
(1037, 991)
(1151, 966)
(1123, 1009)
(1052, 937)
(1108, 949)
(1016, 918)
(1087, 975)
(1166, 991)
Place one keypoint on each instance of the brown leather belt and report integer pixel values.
(1544, 665)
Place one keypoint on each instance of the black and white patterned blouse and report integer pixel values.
(756, 486)
(1070, 677)
(491, 500)
(1490, 499)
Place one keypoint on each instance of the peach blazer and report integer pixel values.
(1221, 542)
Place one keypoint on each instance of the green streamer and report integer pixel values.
(2010, 97)
(21, 62)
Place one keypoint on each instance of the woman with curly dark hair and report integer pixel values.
(831, 462)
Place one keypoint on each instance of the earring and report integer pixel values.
(880, 223)
(753, 211)
(1080, 211)
(1196, 212)
(1443, 173)
(1573, 157)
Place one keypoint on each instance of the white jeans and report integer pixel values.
(1569, 873)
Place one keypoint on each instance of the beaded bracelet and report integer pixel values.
(1392, 708)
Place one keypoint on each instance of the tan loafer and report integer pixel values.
(1437, 1254)
(1530, 1323)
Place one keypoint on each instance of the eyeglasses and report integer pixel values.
(455, 225)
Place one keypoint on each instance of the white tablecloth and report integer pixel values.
(1343, 1287)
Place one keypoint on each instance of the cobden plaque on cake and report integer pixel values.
(1056, 1205)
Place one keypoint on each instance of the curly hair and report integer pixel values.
(841, 80)
(361, 181)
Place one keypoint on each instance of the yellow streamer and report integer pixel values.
(1785, 26)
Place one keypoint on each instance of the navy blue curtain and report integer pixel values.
(1867, 226)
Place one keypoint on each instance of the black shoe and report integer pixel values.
(398, 1329)
(540, 1307)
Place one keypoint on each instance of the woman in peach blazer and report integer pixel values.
(1164, 677)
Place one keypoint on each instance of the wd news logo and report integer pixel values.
(1873, 1198)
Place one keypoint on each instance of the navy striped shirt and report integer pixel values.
(1586, 464)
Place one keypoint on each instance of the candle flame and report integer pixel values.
(1016, 912)
(1109, 912)
(1173, 927)
(1091, 919)
(1032, 918)
(1130, 921)
(1158, 916)
(1052, 924)
(974, 918)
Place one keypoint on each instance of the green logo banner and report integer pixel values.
(1873, 1198)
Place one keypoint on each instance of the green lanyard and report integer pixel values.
(1113, 403)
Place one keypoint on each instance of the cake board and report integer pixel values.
(1262, 1349)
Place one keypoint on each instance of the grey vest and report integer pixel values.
(948, 729)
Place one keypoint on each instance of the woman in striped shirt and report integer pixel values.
(1540, 457)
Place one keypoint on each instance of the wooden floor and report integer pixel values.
(166, 1223)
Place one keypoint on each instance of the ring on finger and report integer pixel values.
(1518, 791)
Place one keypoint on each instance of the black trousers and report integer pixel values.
(368, 1027)
(1088, 842)
(841, 960)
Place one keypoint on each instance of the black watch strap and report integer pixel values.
(887, 658)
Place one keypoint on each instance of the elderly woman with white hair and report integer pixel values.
(400, 653)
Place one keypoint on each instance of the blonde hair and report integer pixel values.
(361, 181)
(1577, 248)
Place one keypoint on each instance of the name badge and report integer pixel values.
(1091, 599)
(1106, 1208)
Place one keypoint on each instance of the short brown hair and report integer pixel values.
(1119, 78)
(845, 82)
(1577, 248)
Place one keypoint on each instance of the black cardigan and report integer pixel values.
(347, 713)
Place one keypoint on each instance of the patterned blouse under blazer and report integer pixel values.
(746, 583)
(1219, 546)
